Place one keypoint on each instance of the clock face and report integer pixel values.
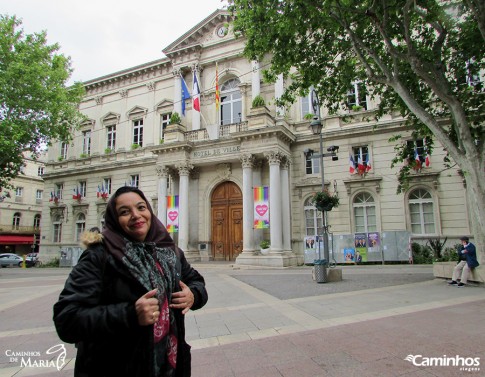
(221, 31)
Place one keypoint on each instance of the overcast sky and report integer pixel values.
(105, 36)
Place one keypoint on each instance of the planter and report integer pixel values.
(324, 206)
(264, 251)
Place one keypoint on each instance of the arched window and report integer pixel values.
(57, 228)
(37, 222)
(313, 220)
(16, 221)
(364, 213)
(231, 102)
(80, 225)
(421, 212)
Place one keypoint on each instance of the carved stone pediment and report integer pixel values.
(206, 32)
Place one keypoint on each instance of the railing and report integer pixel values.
(225, 131)
(9, 228)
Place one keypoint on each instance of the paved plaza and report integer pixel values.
(378, 321)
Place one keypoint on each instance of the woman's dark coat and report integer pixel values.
(96, 310)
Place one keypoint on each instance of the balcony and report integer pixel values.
(224, 132)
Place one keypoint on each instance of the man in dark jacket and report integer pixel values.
(468, 260)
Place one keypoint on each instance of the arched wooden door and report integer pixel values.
(227, 222)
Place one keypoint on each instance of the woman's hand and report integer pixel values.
(147, 308)
(183, 299)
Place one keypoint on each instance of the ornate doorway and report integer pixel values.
(227, 222)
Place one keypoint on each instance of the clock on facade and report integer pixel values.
(221, 31)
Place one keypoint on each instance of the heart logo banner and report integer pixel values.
(172, 214)
(261, 207)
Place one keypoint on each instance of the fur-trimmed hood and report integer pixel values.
(90, 238)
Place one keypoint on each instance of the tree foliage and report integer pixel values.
(418, 57)
(35, 104)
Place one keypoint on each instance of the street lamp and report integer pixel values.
(316, 126)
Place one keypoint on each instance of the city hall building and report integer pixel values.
(220, 149)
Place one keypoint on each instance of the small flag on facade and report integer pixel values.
(351, 165)
(368, 165)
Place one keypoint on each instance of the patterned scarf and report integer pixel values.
(152, 264)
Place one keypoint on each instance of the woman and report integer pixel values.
(124, 302)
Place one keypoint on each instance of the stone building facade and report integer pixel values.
(212, 159)
(21, 209)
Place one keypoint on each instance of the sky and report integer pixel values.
(105, 36)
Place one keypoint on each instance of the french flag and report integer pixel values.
(417, 159)
(196, 94)
(360, 163)
(352, 165)
(427, 161)
(368, 165)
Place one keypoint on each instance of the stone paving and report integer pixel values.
(279, 322)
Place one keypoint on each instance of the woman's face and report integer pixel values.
(133, 215)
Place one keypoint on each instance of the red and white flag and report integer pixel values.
(196, 94)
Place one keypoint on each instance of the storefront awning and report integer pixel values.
(16, 240)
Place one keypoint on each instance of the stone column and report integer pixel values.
(278, 92)
(196, 114)
(275, 212)
(255, 79)
(177, 92)
(184, 171)
(247, 161)
(286, 203)
(162, 173)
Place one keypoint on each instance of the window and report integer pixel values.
(40, 171)
(64, 150)
(57, 228)
(416, 149)
(37, 222)
(107, 185)
(138, 132)
(134, 180)
(87, 142)
(82, 188)
(312, 164)
(39, 194)
(19, 191)
(361, 158)
(16, 221)
(421, 212)
(356, 96)
(313, 219)
(472, 73)
(111, 137)
(364, 213)
(164, 122)
(306, 106)
(80, 226)
(58, 190)
(231, 102)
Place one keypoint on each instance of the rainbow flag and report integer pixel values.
(173, 213)
(261, 207)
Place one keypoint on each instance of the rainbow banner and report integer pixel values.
(261, 207)
(173, 213)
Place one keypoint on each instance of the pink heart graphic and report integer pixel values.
(261, 209)
(172, 215)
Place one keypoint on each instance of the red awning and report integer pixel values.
(16, 240)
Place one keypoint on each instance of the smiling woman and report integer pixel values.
(127, 297)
